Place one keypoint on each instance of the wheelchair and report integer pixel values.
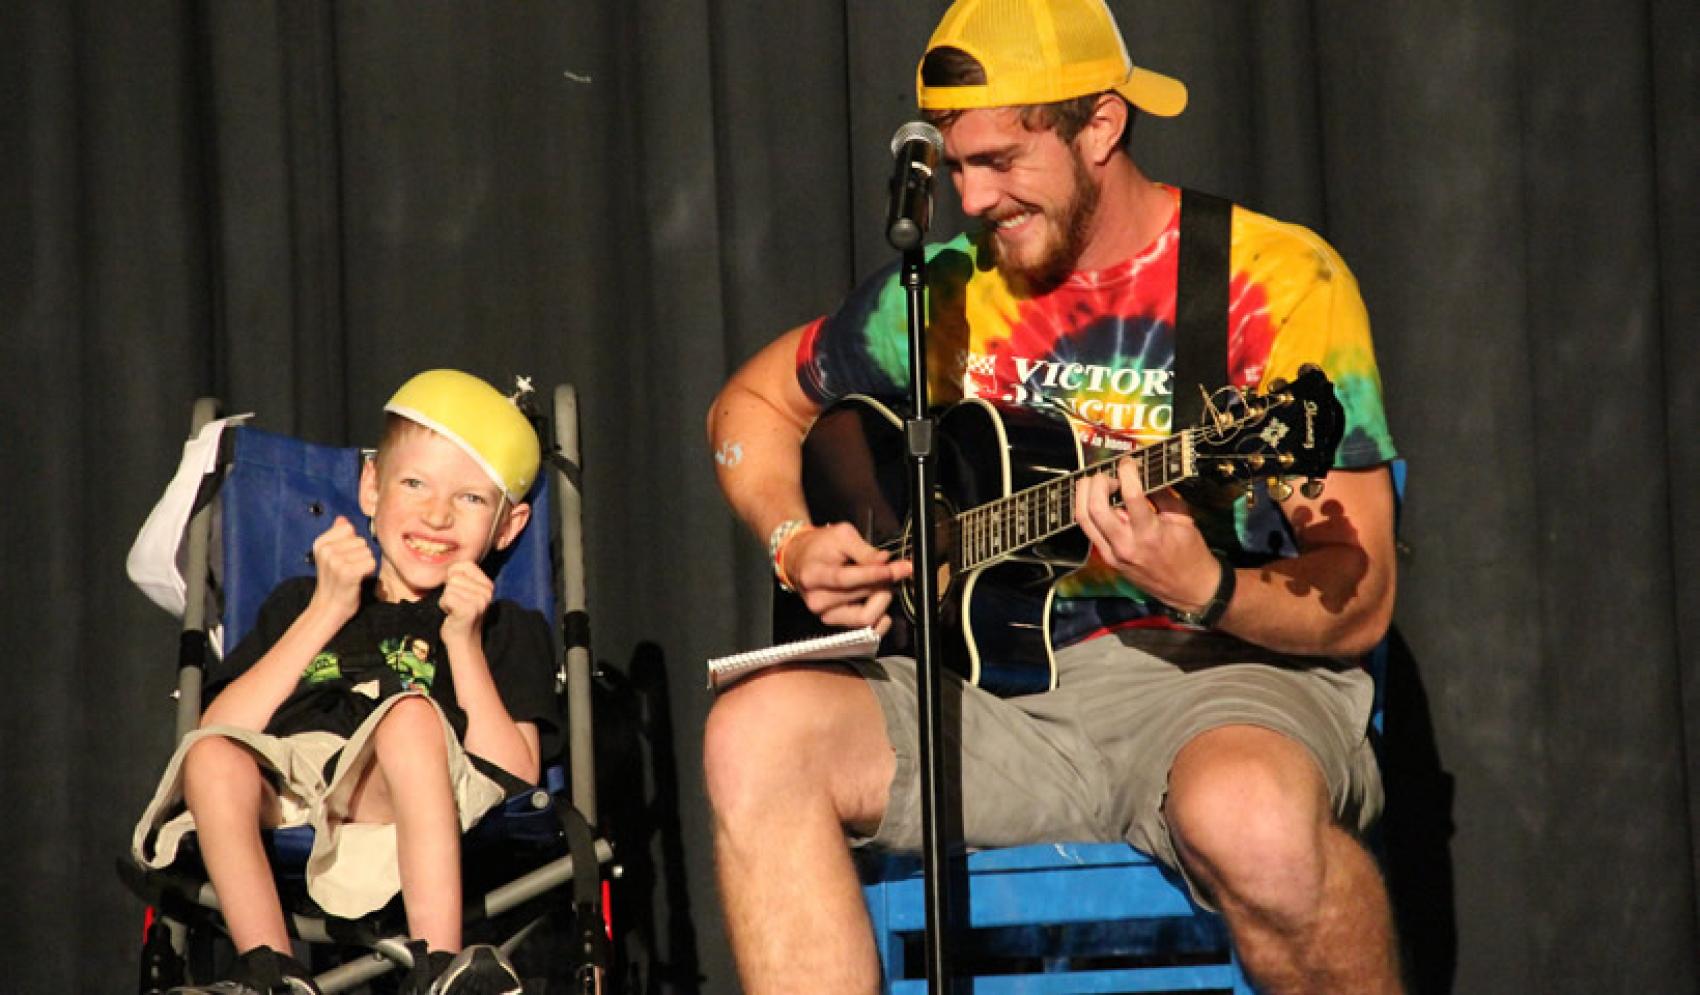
(534, 869)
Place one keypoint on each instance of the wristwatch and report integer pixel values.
(1213, 610)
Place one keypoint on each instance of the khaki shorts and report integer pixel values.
(352, 869)
(1089, 761)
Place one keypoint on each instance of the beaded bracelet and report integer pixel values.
(781, 535)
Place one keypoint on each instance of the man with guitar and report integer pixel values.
(1208, 705)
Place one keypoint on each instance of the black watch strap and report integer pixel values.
(1217, 606)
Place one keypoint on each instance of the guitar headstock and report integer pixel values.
(1292, 430)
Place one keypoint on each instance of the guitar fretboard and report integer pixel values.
(1025, 518)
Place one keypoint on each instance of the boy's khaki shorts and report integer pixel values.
(1089, 761)
(352, 869)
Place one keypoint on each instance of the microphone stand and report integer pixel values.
(919, 437)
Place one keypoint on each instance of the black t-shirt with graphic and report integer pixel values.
(390, 647)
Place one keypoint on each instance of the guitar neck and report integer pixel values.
(1030, 516)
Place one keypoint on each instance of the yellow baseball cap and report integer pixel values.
(1040, 52)
(476, 417)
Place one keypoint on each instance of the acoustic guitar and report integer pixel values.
(1004, 506)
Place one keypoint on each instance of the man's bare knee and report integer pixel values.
(783, 734)
(1249, 809)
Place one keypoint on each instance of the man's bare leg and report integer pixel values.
(1302, 898)
(792, 758)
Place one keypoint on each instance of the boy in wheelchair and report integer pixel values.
(388, 702)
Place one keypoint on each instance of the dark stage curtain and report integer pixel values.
(294, 205)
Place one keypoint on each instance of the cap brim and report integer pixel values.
(1154, 93)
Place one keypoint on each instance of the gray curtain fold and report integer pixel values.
(294, 205)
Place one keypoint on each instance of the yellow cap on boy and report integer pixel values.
(1042, 52)
(476, 417)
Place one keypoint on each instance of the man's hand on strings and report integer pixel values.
(1152, 541)
(841, 578)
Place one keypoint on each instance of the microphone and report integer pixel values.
(915, 150)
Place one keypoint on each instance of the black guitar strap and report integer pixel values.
(1201, 304)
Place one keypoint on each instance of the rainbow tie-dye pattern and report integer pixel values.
(1100, 348)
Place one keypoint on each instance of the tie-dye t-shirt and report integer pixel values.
(1101, 347)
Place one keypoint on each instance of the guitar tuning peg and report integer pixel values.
(1279, 489)
(1250, 497)
(1225, 468)
(1311, 488)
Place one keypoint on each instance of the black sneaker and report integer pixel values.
(480, 969)
(260, 971)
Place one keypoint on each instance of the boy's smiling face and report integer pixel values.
(431, 506)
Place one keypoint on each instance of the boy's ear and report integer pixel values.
(518, 515)
(369, 485)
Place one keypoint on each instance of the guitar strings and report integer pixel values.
(991, 509)
(963, 522)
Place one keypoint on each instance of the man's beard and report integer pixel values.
(1070, 226)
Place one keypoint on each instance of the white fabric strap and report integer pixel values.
(158, 556)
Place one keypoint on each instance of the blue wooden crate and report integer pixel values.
(1055, 918)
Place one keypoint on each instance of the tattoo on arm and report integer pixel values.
(730, 454)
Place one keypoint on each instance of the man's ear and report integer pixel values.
(518, 515)
(369, 485)
(1103, 132)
